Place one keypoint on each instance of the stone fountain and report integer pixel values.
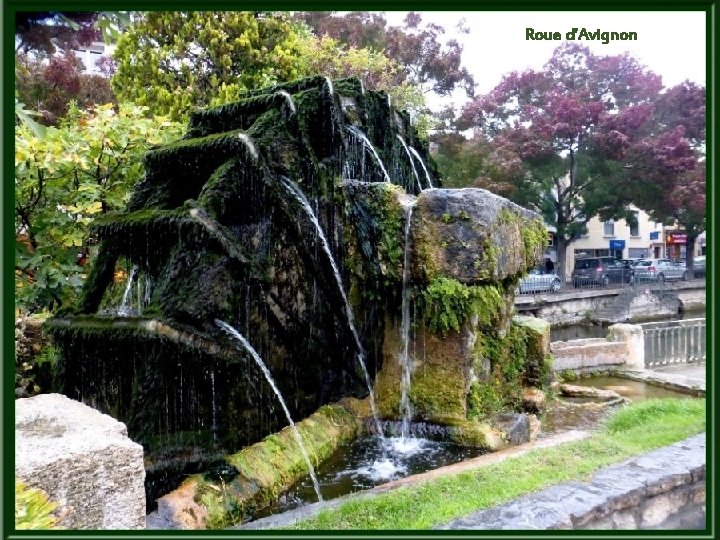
(217, 231)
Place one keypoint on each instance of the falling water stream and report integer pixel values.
(289, 100)
(124, 309)
(427, 175)
(300, 196)
(237, 335)
(412, 164)
(405, 329)
(368, 146)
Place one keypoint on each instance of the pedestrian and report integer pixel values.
(549, 266)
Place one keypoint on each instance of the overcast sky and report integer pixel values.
(672, 44)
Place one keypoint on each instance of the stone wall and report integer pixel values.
(663, 489)
(624, 347)
(596, 305)
(83, 460)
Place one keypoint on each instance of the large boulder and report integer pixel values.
(83, 460)
(473, 236)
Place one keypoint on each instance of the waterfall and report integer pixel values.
(412, 164)
(427, 176)
(289, 99)
(405, 361)
(329, 84)
(296, 433)
(300, 196)
(124, 309)
(368, 146)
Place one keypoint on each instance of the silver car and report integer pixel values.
(538, 281)
(659, 270)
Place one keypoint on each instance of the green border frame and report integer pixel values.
(10, 7)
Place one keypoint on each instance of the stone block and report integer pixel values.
(588, 353)
(632, 336)
(473, 236)
(83, 460)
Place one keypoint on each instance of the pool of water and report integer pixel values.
(633, 390)
(367, 463)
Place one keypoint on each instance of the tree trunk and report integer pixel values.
(561, 267)
(689, 251)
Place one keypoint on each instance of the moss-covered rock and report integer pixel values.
(473, 236)
(476, 434)
(440, 375)
(251, 478)
(536, 335)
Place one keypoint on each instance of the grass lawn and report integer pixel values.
(633, 430)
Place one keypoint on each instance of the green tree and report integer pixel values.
(64, 176)
(174, 61)
(329, 57)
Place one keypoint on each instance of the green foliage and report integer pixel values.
(331, 58)
(33, 510)
(447, 304)
(64, 178)
(568, 375)
(174, 61)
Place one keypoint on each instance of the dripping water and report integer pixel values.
(405, 361)
(329, 84)
(427, 175)
(214, 406)
(124, 309)
(300, 196)
(412, 163)
(298, 438)
(368, 146)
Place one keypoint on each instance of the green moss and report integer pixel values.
(266, 468)
(475, 434)
(536, 336)
(437, 393)
(501, 389)
(100, 276)
(446, 304)
(374, 238)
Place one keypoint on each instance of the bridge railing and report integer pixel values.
(674, 342)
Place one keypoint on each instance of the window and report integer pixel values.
(635, 229)
(609, 228)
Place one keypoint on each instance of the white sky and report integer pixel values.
(672, 44)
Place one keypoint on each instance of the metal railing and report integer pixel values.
(674, 342)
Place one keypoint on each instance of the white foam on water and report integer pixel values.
(380, 469)
(407, 446)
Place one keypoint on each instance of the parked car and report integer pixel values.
(699, 265)
(600, 271)
(659, 270)
(537, 280)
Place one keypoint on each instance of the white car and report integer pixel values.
(659, 270)
(538, 281)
